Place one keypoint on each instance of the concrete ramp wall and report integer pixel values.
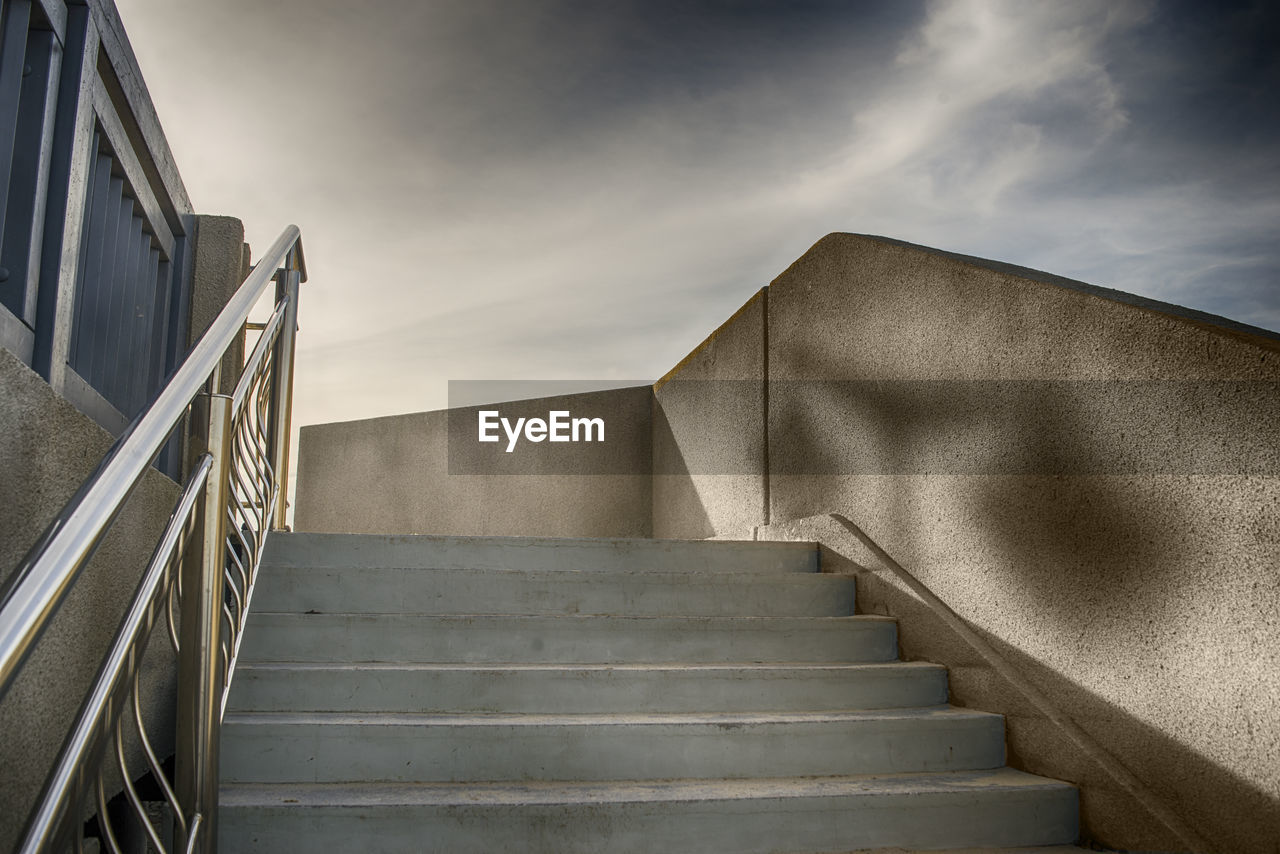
(403, 474)
(1087, 478)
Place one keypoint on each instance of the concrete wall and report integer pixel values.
(1087, 478)
(404, 475)
(47, 450)
(220, 264)
(709, 450)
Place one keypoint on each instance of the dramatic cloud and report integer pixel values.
(580, 189)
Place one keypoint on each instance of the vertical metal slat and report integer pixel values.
(97, 275)
(104, 366)
(158, 310)
(24, 203)
(90, 243)
(139, 327)
(15, 18)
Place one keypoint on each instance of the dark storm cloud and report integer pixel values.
(557, 189)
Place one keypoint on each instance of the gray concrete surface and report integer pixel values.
(424, 591)
(989, 808)
(334, 747)
(1040, 734)
(406, 475)
(220, 265)
(467, 731)
(47, 449)
(571, 638)
(1088, 478)
(585, 688)
(1145, 600)
(601, 555)
(709, 452)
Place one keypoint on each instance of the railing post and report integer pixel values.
(282, 389)
(200, 664)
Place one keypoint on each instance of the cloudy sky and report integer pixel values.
(559, 189)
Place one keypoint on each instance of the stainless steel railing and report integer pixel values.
(199, 581)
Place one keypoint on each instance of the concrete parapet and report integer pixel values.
(403, 474)
(1090, 480)
(221, 264)
(709, 451)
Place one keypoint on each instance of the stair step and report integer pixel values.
(338, 747)
(352, 551)
(804, 814)
(588, 688)
(462, 694)
(503, 591)
(565, 639)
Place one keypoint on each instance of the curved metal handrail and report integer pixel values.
(82, 741)
(205, 566)
(41, 582)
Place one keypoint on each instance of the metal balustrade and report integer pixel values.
(198, 583)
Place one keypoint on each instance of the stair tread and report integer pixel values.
(602, 555)
(628, 791)
(598, 719)
(500, 667)
(725, 578)
(688, 618)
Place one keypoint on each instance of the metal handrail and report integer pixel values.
(81, 743)
(204, 557)
(41, 582)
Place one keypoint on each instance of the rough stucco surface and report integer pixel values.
(1034, 741)
(220, 265)
(394, 475)
(47, 449)
(708, 434)
(1144, 598)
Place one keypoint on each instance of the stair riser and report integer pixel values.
(295, 752)
(961, 819)
(398, 638)
(347, 551)
(585, 691)
(430, 591)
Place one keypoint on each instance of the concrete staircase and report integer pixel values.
(452, 694)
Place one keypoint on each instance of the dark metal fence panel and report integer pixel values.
(122, 292)
(30, 56)
(94, 221)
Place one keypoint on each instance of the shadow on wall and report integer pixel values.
(674, 487)
(1108, 538)
(1038, 746)
(1113, 811)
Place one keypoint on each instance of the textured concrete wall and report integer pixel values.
(708, 433)
(47, 449)
(1089, 479)
(395, 475)
(220, 265)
